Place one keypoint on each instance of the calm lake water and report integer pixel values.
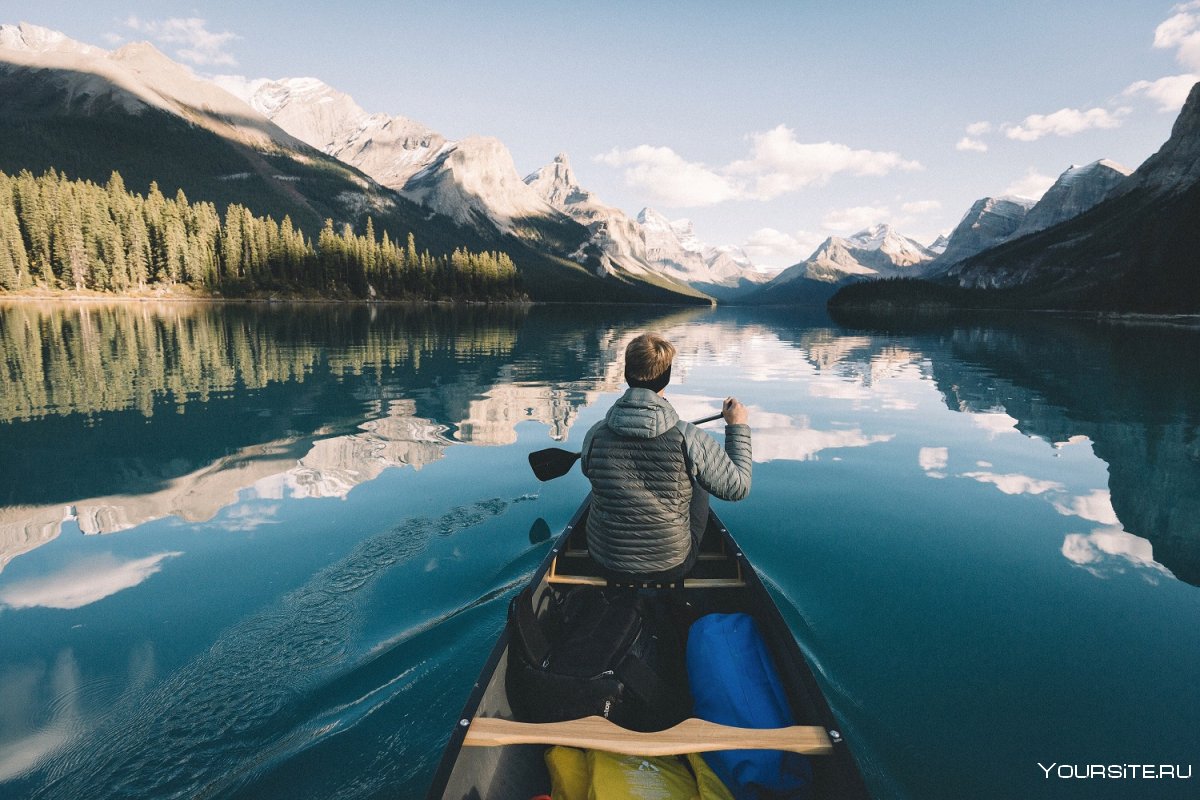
(262, 552)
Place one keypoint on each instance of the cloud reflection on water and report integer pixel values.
(85, 581)
(1109, 551)
(781, 437)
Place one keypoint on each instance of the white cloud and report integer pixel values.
(994, 422)
(1108, 550)
(1181, 31)
(84, 582)
(771, 247)
(781, 437)
(839, 389)
(850, 220)
(921, 207)
(972, 145)
(933, 460)
(1015, 483)
(1064, 122)
(1169, 92)
(1032, 185)
(780, 164)
(111, 38)
(979, 128)
(792, 442)
(668, 179)
(1095, 507)
(193, 41)
(777, 164)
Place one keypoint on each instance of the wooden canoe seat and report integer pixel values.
(554, 576)
(690, 736)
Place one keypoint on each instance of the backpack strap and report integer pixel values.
(529, 630)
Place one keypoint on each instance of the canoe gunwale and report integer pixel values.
(441, 777)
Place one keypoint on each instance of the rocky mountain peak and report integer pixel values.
(556, 183)
(1076, 190)
(1176, 165)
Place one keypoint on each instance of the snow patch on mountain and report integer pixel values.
(615, 236)
(134, 78)
(876, 252)
(475, 178)
(990, 221)
(1078, 189)
(389, 149)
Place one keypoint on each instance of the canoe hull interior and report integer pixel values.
(723, 582)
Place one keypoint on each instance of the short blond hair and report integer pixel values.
(648, 357)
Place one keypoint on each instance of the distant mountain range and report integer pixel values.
(1101, 237)
(881, 252)
(475, 183)
(86, 112)
(871, 254)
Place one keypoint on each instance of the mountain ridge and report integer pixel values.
(87, 112)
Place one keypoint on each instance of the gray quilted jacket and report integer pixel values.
(642, 461)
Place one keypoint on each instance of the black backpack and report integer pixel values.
(592, 651)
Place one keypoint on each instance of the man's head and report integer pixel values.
(648, 362)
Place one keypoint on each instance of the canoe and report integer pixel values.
(489, 757)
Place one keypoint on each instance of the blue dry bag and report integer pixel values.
(733, 682)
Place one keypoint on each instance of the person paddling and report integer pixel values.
(652, 473)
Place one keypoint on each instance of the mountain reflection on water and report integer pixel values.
(315, 511)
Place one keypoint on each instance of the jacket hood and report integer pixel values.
(642, 414)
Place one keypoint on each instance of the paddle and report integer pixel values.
(690, 736)
(554, 462)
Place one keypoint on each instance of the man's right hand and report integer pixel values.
(734, 412)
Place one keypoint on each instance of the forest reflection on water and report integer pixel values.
(311, 481)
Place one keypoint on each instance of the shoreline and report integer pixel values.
(1180, 320)
(35, 295)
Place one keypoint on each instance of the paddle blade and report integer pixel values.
(551, 463)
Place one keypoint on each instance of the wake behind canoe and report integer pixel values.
(490, 757)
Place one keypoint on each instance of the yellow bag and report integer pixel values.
(618, 777)
(709, 784)
(595, 775)
(569, 775)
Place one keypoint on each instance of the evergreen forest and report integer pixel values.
(62, 234)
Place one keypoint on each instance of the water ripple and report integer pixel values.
(215, 722)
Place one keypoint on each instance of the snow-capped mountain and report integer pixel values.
(651, 243)
(475, 179)
(666, 248)
(939, 245)
(389, 149)
(876, 252)
(989, 222)
(673, 248)
(730, 262)
(617, 238)
(70, 106)
(133, 79)
(1133, 251)
(1075, 191)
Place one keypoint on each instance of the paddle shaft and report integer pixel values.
(554, 462)
(690, 736)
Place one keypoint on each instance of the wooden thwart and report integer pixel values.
(689, 736)
(553, 576)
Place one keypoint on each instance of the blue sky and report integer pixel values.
(771, 125)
